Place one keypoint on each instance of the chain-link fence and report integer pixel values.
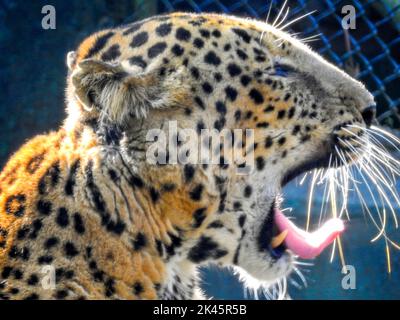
(370, 51)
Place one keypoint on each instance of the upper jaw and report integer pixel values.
(323, 158)
(320, 161)
(327, 156)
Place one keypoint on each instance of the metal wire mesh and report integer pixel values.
(370, 52)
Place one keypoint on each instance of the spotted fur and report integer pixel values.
(84, 200)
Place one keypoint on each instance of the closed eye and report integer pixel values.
(281, 70)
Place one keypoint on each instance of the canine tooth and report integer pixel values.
(277, 241)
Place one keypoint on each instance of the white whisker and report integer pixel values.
(283, 19)
(297, 19)
(280, 13)
(310, 198)
(266, 20)
(295, 284)
(386, 133)
(301, 263)
(361, 166)
(301, 276)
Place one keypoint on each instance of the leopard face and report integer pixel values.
(205, 71)
(227, 73)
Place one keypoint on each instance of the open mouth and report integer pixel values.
(305, 245)
(284, 236)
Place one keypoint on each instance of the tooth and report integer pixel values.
(277, 241)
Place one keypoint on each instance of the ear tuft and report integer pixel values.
(117, 94)
(71, 60)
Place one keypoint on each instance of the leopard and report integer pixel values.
(84, 214)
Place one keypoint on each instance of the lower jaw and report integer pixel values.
(266, 271)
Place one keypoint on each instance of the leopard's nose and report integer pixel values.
(369, 114)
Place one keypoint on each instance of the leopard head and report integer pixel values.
(214, 72)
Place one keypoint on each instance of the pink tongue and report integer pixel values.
(304, 244)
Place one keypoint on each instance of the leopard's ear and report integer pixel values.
(71, 60)
(119, 94)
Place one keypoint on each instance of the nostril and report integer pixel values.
(368, 114)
